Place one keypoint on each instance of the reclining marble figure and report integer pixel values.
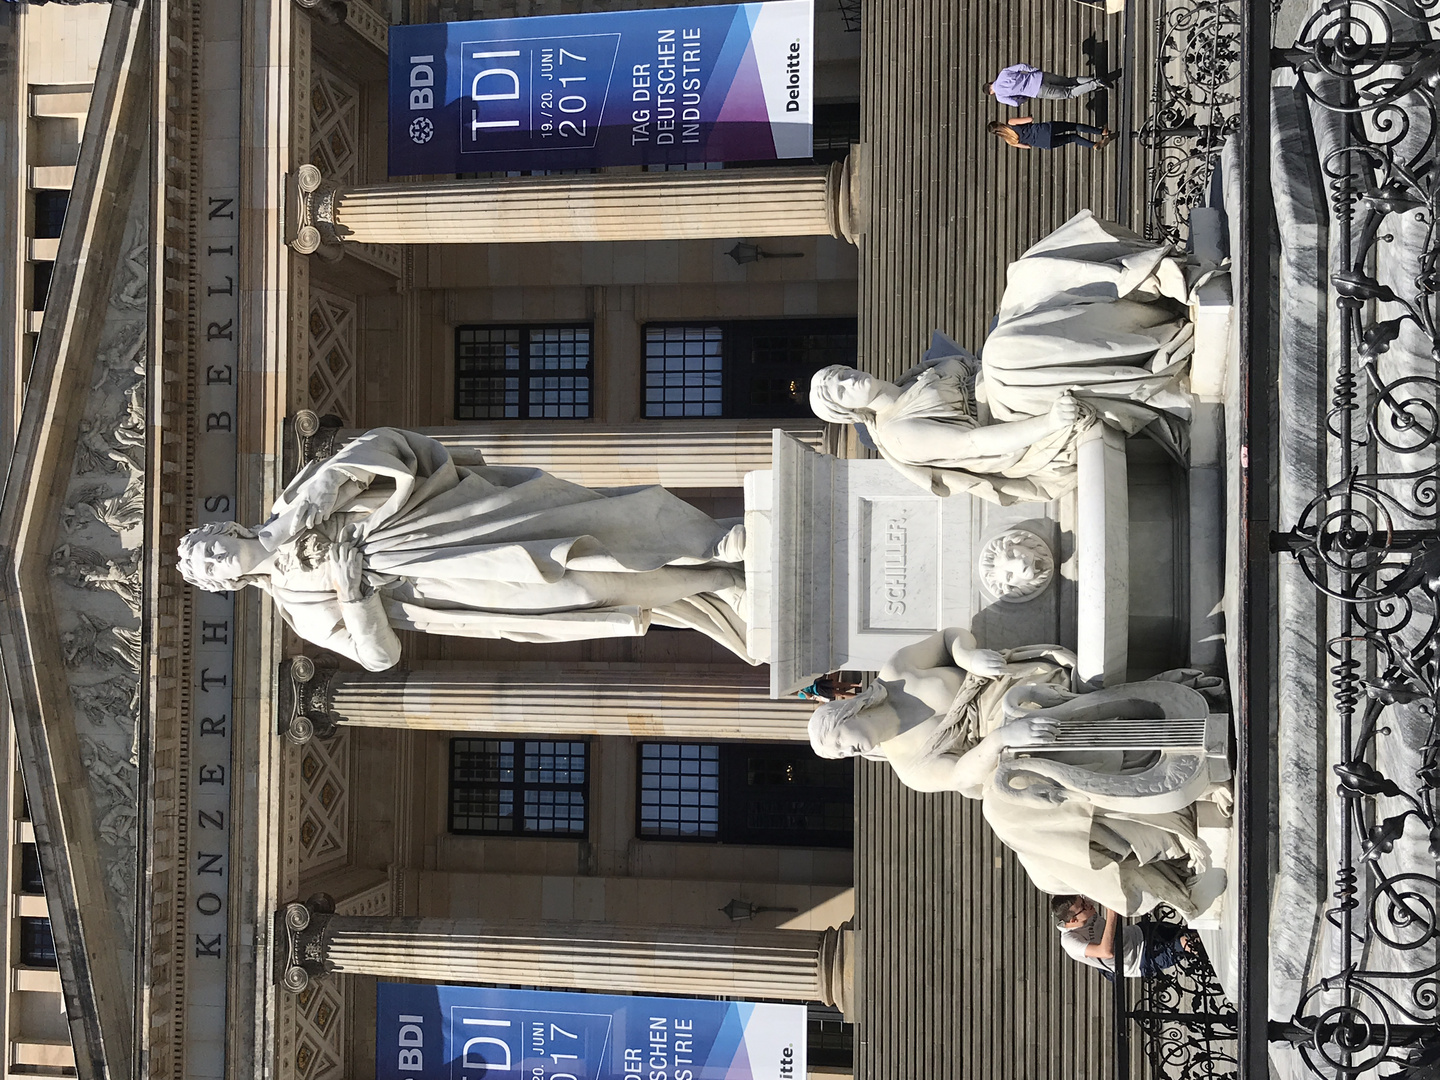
(1093, 328)
(1111, 824)
(393, 532)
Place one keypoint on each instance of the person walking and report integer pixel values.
(1024, 133)
(1019, 83)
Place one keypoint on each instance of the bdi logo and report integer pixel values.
(422, 97)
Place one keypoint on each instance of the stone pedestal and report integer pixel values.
(848, 562)
(720, 704)
(781, 965)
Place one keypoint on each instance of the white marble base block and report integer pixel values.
(1102, 555)
(849, 561)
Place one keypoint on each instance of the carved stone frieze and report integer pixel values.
(116, 511)
(85, 568)
(96, 573)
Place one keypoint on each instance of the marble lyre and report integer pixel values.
(1094, 793)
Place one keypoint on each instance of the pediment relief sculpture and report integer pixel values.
(94, 644)
(116, 511)
(86, 568)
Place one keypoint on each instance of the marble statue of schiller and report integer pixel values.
(942, 712)
(1093, 328)
(393, 533)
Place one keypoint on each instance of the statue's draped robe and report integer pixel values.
(1092, 309)
(1097, 310)
(494, 552)
(1127, 862)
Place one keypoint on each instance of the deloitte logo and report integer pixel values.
(421, 129)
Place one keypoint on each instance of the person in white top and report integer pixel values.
(1144, 949)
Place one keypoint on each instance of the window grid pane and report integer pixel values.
(522, 372)
(745, 793)
(684, 371)
(755, 368)
(506, 786)
(680, 790)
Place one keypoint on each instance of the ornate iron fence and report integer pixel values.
(1369, 542)
(1187, 1024)
(1195, 106)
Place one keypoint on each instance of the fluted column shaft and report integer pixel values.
(786, 965)
(720, 704)
(633, 206)
(674, 454)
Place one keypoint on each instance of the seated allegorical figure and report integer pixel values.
(1093, 327)
(392, 532)
(941, 712)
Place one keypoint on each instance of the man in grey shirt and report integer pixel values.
(1086, 937)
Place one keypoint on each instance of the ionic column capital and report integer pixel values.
(310, 226)
(306, 697)
(303, 928)
(333, 12)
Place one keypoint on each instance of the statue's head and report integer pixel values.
(853, 727)
(842, 395)
(210, 557)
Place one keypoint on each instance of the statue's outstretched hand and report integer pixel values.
(1030, 731)
(1065, 411)
(987, 663)
(347, 567)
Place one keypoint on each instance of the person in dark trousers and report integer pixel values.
(1018, 83)
(1144, 949)
(1024, 133)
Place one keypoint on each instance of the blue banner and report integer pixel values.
(481, 1033)
(669, 86)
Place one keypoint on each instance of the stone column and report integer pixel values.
(675, 454)
(721, 704)
(785, 965)
(717, 203)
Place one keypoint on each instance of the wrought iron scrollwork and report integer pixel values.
(1189, 1024)
(1195, 108)
(1370, 541)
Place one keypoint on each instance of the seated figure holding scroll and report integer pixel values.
(944, 713)
(393, 533)
(1093, 327)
